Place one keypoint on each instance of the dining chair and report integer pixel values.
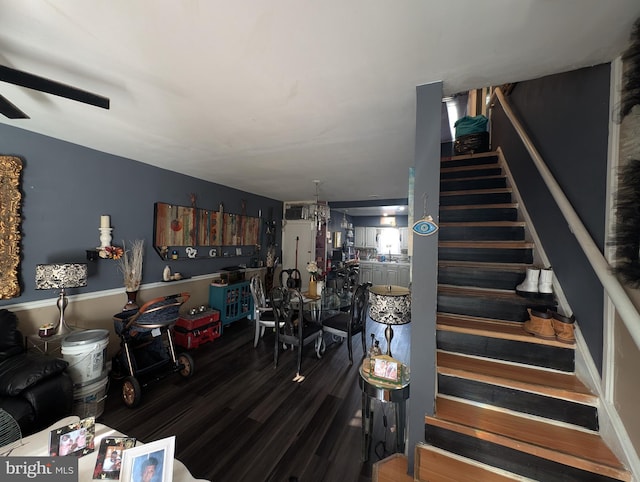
(294, 328)
(346, 324)
(263, 314)
(290, 278)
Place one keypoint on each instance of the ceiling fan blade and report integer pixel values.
(11, 111)
(23, 79)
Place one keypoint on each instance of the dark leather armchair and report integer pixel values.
(35, 389)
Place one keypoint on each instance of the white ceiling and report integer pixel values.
(266, 96)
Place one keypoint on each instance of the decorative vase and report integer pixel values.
(313, 288)
(131, 301)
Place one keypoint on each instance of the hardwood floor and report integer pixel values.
(239, 419)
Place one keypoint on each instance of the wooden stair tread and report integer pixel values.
(463, 169)
(487, 244)
(481, 265)
(464, 192)
(469, 224)
(557, 384)
(472, 178)
(435, 465)
(507, 330)
(469, 156)
(391, 469)
(466, 207)
(581, 449)
(508, 295)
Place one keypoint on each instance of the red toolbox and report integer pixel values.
(191, 331)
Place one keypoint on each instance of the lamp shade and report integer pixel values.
(389, 304)
(60, 276)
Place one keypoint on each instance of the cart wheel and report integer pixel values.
(186, 361)
(131, 392)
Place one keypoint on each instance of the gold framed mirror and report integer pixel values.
(10, 198)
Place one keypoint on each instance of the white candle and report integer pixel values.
(105, 221)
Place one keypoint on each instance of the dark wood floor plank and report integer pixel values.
(239, 418)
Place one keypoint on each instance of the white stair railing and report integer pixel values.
(623, 304)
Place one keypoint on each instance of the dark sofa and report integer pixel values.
(35, 389)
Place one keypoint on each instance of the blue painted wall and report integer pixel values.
(567, 118)
(67, 187)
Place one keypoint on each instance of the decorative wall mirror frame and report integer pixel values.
(10, 199)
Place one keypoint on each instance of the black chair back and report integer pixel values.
(291, 278)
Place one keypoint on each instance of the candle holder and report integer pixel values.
(105, 237)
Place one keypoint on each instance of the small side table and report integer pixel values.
(51, 345)
(387, 393)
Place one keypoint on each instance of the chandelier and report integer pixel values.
(320, 210)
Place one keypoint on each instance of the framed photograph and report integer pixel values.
(75, 439)
(149, 462)
(109, 459)
(386, 368)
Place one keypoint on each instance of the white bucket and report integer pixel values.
(88, 401)
(86, 353)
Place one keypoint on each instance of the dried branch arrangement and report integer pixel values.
(130, 264)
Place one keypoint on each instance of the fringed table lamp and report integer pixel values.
(390, 305)
(61, 276)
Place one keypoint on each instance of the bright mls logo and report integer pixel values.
(51, 469)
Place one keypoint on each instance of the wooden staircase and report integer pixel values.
(509, 405)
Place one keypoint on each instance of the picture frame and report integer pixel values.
(154, 459)
(10, 226)
(76, 439)
(109, 459)
(385, 368)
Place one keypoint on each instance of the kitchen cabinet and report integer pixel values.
(404, 238)
(371, 237)
(379, 273)
(366, 273)
(360, 236)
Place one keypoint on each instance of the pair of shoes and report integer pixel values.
(550, 325)
(536, 281)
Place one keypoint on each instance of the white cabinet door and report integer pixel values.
(392, 275)
(404, 275)
(360, 236)
(404, 238)
(371, 237)
(379, 275)
(366, 275)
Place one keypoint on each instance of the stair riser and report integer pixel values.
(497, 309)
(472, 161)
(517, 400)
(481, 214)
(479, 198)
(481, 233)
(480, 172)
(534, 354)
(490, 183)
(514, 461)
(489, 255)
(501, 280)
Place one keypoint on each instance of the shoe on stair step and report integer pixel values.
(530, 284)
(563, 327)
(540, 324)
